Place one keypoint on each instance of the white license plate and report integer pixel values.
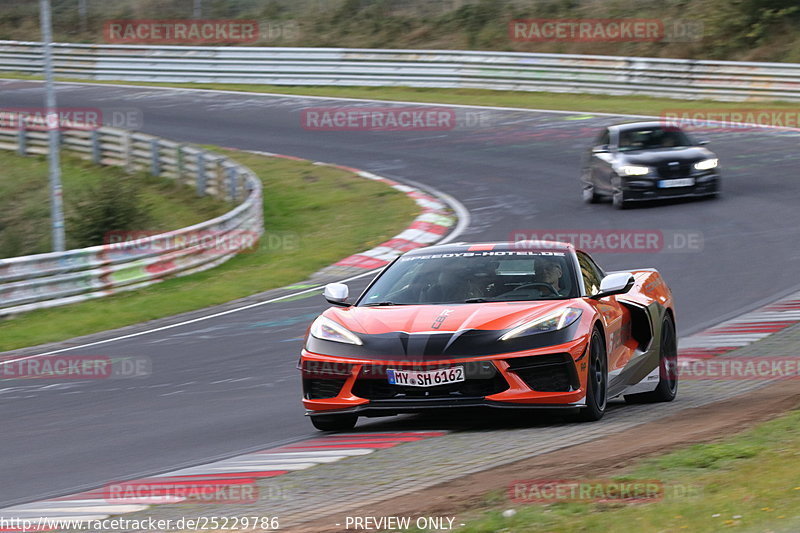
(680, 182)
(428, 378)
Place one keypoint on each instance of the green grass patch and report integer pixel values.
(591, 103)
(747, 482)
(25, 201)
(313, 216)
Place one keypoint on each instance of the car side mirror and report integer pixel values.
(702, 142)
(602, 149)
(337, 294)
(616, 283)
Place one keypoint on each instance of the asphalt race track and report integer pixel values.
(228, 384)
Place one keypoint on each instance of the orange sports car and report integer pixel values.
(504, 325)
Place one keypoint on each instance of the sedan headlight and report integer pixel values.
(634, 170)
(329, 330)
(706, 164)
(550, 322)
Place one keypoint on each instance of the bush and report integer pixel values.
(113, 204)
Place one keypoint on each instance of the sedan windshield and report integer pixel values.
(652, 138)
(474, 277)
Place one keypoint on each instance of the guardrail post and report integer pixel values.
(155, 159)
(179, 163)
(22, 146)
(94, 138)
(233, 178)
(127, 151)
(201, 174)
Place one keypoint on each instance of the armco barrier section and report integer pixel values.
(58, 278)
(677, 78)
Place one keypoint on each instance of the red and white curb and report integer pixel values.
(202, 483)
(742, 330)
(429, 227)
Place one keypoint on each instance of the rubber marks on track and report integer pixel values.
(742, 330)
(186, 484)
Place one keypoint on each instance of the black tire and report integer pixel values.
(589, 194)
(667, 387)
(618, 199)
(596, 380)
(334, 422)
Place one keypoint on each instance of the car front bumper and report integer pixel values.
(648, 189)
(550, 377)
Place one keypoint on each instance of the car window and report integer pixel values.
(474, 277)
(592, 274)
(652, 138)
(602, 139)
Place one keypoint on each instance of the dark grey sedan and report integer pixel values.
(648, 161)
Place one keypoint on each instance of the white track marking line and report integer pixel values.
(213, 469)
(60, 515)
(101, 506)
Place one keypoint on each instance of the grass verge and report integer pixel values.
(594, 103)
(747, 482)
(25, 208)
(313, 215)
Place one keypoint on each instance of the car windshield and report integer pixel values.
(652, 138)
(474, 277)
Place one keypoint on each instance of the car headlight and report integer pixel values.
(329, 330)
(550, 322)
(634, 170)
(706, 164)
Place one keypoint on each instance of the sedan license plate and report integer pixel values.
(428, 378)
(680, 182)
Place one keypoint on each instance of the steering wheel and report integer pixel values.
(539, 284)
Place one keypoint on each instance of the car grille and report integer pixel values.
(482, 379)
(546, 373)
(669, 171)
(317, 389)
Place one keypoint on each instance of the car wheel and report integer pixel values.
(334, 422)
(588, 193)
(596, 380)
(667, 387)
(618, 199)
(618, 195)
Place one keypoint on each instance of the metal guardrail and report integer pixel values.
(51, 279)
(677, 78)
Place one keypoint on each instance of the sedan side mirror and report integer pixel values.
(616, 283)
(337, 294)
(602, 149)
(702, 142)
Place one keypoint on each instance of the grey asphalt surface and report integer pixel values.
(228, 385)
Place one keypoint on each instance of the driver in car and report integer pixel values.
(548, 270)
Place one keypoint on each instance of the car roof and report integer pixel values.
(504, 246)
(638, 125)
